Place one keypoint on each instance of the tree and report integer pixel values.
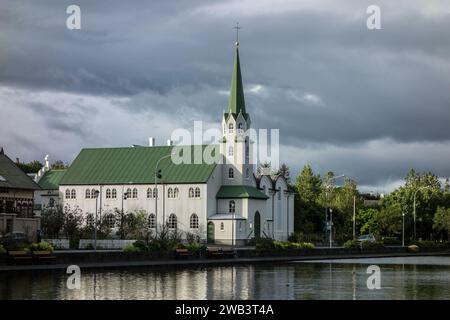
(59, 164)
(73, 220)
(285, 172)
(52, 222)
(442, 221)
(308, 214)
(30, 167)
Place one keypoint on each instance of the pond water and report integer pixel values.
(401, 278)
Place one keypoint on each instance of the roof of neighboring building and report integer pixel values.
(51, 179)
(11, 176)
(135, 165)
(229, 192)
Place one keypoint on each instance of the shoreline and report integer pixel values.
(130, 263)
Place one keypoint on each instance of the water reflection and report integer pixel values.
(281, 281)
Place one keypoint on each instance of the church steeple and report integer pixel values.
(236, 103)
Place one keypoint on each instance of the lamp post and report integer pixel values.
(159, 176)
(95, 222)
(124, 197)
(403, 229)
(414, 209)
(331, 211)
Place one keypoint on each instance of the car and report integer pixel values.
(366, 237)
(14, 239)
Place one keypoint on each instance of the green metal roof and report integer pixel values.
(229, 192)
(51, 179)
(11, 176)
(236, 102)
(135, 165)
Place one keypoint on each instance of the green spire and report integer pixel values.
(236, 104)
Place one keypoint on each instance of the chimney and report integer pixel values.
(151, 142)
(169, 142)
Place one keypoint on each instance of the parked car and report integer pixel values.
(14, 239)
(366, 237)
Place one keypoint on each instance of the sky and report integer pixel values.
(369, 104)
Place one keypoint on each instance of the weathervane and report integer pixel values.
(237, 33)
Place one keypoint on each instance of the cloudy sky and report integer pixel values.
(369, 104)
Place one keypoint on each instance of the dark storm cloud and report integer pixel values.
(310, 68)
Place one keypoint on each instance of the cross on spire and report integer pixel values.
(237, 33)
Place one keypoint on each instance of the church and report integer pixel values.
(222, 203)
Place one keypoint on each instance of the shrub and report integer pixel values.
(2, 250)
(352, 244)
(264, 244)
(426, 244)
(141, 245)
(372, 245)
(269, 244)
(195, 247)
(41, 246)
(391, 241)
(130, 248)
(74, 243)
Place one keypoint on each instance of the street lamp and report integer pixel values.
(331, 211)
(403, 229)
(414, 209)
(159, 176)
(96, 193)
(124, 197)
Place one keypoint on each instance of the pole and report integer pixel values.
(156, 199)
(403, 230)
(354, 217)
(331, 228)
(414, 210)
(95, 222)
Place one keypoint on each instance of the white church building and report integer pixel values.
(223, 203)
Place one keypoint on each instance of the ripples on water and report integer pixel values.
(401, 278)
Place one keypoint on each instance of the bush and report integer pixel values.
(269, 244)
(130, 248)
(195, 247)
(41, 246)
(141, 245)
(2, 250)
(392, 241)
(352, 244)
(426, 244)
(264, 244)
(372, 245)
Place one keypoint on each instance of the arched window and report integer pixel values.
(176, 193)
(128, 195)
(114, 193)
(111, 220)
(172, 221)
(51, 202)
(135, 193)
(232, 206)
(155, 193)
(152, 221)
(93, 194)
(67, 194)
(240, 127)
(197, 192)
(73, 194)
(170, 193)
(230, 151)
(231, 128)
(247, 173)
(191, 192)
(108, 193)
(231, 173)
(90, 219)
(149, 193)
(19, 208)
(222, 226)
(193, 221)
(88, 194)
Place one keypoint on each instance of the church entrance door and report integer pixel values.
(257, 225)
(210, 238)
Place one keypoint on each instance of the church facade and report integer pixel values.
(222, 203)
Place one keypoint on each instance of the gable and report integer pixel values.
(11, 176)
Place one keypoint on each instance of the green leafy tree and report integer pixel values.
(52, 222)
(73, 222)
(31, 167)
(442, 221)
(59, 164)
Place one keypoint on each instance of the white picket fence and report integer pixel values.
(105, 244)
(58, 243)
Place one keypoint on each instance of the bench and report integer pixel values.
(17, 256)
(43, 256)
(219, 252)
(183, 253)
